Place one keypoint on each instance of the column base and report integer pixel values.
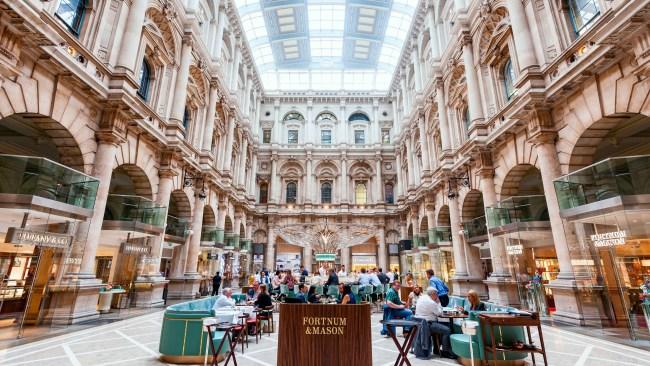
(183, 288)
(503, 291)
(149, 291)
(74, 300)
(461, 285)
(579, 305)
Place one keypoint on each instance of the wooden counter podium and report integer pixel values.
(324, 335)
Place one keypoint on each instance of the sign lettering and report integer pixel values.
(515, 249)
(39, 238)
(136, 249)
(610, 239)
(324, 325)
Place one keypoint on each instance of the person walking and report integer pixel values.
(216, 283)
(440, 286)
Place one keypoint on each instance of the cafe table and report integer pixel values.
(403, 348)
(449, 313)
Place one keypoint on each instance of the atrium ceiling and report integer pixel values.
(351, 45)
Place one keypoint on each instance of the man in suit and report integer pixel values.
(216, 283)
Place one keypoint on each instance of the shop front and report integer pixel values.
(363, 256)
(521, 224)
(606, 213)
(45, 210)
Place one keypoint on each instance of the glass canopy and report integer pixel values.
(326, 44)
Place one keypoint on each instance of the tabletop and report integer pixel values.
(400, 322)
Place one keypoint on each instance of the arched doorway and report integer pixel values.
(179, 214)
(475, 234)
(208, 263)
(442, 241)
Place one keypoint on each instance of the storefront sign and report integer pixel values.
(609, 239)
(516, 249)
(325, 257)
(39, 238)
(134, 249)
(323, 325)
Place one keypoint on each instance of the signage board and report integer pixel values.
(39, 238)
(325, 257)
(134, 249)
(609, 239)
(324, 335)
(515, 249)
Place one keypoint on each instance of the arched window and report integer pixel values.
(326, 192)
(145, 79)
(508, 79)
(326, 117)
(360, 193)
(187, 118)
(72, 12)
(388, 193)
(359, 117)
(264, 192)
(291, 192)
(582, 13)
(293, 116)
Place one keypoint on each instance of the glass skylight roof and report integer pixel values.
(326, 44)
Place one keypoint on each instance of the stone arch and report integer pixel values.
(260, 236)
(472, 206)
(326, 170)
(361, 169)
(197, 87)
(293, 115)
(443, 218)
(58, 112)
(495, 24)
(134, 152)
(228, 226)
(360, 114)
(209, 218)
(179, 205)
(130, 179)
(424, 224)
(456, 87)
(326, 117)
(156, 15)
(624, 98)
(521, 180)
(291, 169)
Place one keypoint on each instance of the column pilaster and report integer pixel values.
(126, 59)
(475, 104)
(180, 89)
(209, 117)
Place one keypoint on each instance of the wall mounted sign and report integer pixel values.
(609, 239)
(134, 249)
(325, 257)
(39, 238)
(515, 249)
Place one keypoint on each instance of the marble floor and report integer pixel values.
(135, 342)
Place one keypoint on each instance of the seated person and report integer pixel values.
(429, 308)
(312, 297)
(475, 303)
(263, 299)
(364, 278)
(316, 280)
(374, 279)
(253, 291)
(340, 295)
(225, 300)
(302, 293)
(413, 298)
(347, 295)
(396, 308)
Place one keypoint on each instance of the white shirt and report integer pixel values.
(321, 271)
(427, 309)
(390, 276)
(316, 280)
(223, 302)
(342, 273)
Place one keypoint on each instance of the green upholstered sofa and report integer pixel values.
(183, 339)
(506, 335)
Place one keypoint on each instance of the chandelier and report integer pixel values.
(326, 239)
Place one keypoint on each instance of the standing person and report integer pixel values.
(332, 280)
(216, 283)
(390, 275)
(439, 285)
(395, 275)
(264, 278)
(342, 272)
(276, 281)
(382, 277)
(322, 271)
(303, 274)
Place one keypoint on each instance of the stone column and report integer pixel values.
(310, 131)
(405, 103)
(442, 116)
(131, 36)
(307, 258)
(247, 92)
(234, 74)
(521, 34)
(309, 186)
(242, 168)
(345, 258)
(424, 147)
(230, 139)
(165, 187)
(252, 179)
(378, 196)
(433, 33)
(222, 211)
(382, 255)
(473, 91)
(218, 39)
(375, 122)
(416, 67)
(344, 180)
(275, 182)
(180, 89)
(209, 117)
(269, 259)
(458, 244)
(277, 130)
(102, 170)
(409, 163)
(398, 181)
(195, 239)
(343, 125)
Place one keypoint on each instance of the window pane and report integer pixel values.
(508, 79)
(326, 193)
(360, 193)
(385, 136)
(291, 192)
(72, 12)
(266, 136)
(359, 137)
(264, 193)
(388, 193)
(293, 137)
(144, 77)
(582, 13)
(326, 137)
